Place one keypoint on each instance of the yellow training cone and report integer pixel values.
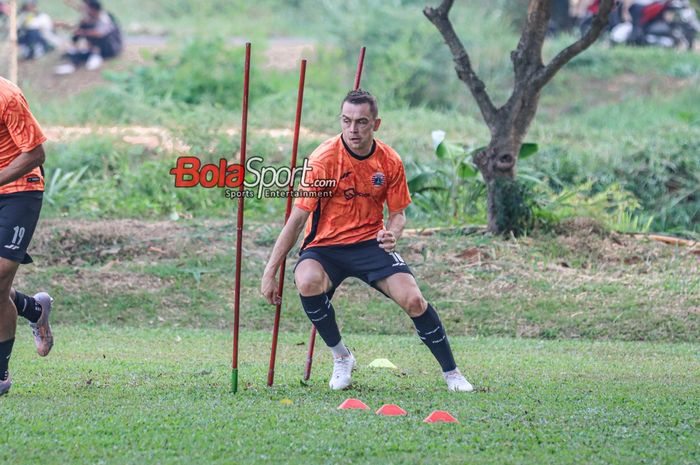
(382, 363)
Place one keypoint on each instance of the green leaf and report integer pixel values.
(426, 182)
(530, 178)
(442, 151)
(447, 150)
(528, 149)
(421, 182)
(466, 170)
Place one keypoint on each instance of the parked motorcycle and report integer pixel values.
(668, 23)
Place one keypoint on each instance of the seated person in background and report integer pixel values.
(96, 38)
(35, 34)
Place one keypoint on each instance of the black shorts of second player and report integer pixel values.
(364, 260)
(19, 215)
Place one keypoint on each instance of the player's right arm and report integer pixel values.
(286, 240)
(26, 136)
(23, 164)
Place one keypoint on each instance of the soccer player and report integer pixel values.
(21, 191)
(346, 236)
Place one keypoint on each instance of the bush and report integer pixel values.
(451, 189)
(204, 71)
(668, 186)
(104, 177)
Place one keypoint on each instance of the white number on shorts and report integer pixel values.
(397, 259)
(16, 239)
(19, 235)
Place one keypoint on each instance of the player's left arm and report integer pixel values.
(22, 165)
(398, 198)
(388, 237)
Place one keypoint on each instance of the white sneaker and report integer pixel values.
(457, 382)
(65, 68)
(5, 385)
(93, 62)
(43, 337)
(342, 372)
(24, 52)
(39, 51)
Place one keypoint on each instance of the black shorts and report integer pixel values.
(19, 214)
(364, 260)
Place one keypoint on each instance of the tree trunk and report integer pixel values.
(507, 208)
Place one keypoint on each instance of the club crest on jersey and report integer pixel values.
(378, 179)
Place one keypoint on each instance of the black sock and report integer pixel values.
(430, 330)
(5, 351)
(320, 311)
(27, 307)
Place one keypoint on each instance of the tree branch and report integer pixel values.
(528, 55)
(566, 55)
(527, 59)
(439, 17)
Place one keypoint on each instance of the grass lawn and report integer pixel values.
(124, 395)
(576, 285)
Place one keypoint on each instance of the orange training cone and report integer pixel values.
(353, 404)
(440, 416)
(391, 410)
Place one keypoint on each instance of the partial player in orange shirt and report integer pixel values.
(346, 236)
(21, 193)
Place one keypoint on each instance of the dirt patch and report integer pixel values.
(474, 256)
(104, 281)
(155, 137)
(283, 53)
(581, 227)
(39, 75)
(585, 237)
(77, 243)
(152, 137)
(615, 88)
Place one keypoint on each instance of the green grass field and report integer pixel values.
(141, 368)
(118, 396)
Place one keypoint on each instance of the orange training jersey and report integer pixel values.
(19, 132)
(355, 210)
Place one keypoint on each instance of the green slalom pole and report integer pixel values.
(234, 380)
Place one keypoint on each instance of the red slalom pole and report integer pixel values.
(360, 64)
(293, 164)
(239, 224)
(312, 337)
(310, 354)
